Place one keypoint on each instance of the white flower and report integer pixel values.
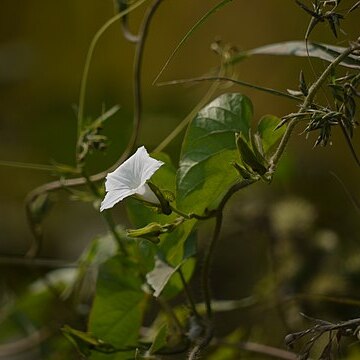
(130, 179)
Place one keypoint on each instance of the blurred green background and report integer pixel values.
(43, 45)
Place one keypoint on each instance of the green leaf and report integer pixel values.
(117, 311)
(40, 207)
(209, 148)
(251, 159)
(298, 48)
(266, 130)
(98, 252)
(165, 280)
(172, 244)
(160, 276)
(83, 341)
(175, 285)
(160, 339)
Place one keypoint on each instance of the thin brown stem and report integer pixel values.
(237, 82)
(128, 35)
(12, 260)
(207, 264)
(107, 216)
(308, 102)
(188, 294)
(138, 61)
(210, 251)
(112, 227)
(62, 183)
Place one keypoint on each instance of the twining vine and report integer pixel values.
(147, 258)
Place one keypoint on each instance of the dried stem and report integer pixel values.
(307, 102)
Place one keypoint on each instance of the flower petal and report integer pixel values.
(130, 178)
(147, 194)
(113, 197)
(146, 165)
(133, 172)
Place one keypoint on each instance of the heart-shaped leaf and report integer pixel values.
(208, 150)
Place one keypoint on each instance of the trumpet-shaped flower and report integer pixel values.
(130, 179)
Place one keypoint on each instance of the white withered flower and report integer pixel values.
(130, 179)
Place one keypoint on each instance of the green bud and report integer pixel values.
(241, 170)
(153, 230)
(150, 232)
(248, 156)
(257, 146)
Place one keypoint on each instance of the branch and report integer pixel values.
(348, 328)
(128, 35)
(237, 82)
(38, 262)
(89, 56)
(308, 102)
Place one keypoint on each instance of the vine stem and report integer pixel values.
(200, 22)
(210, 251)
(107, 216)
(188, 294)
(229, 79)
(307, 102)
(182, 125)
(138, 61)
(63, 183)
(89, 56)
(208, 262)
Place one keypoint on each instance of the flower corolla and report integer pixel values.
(130, 179)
